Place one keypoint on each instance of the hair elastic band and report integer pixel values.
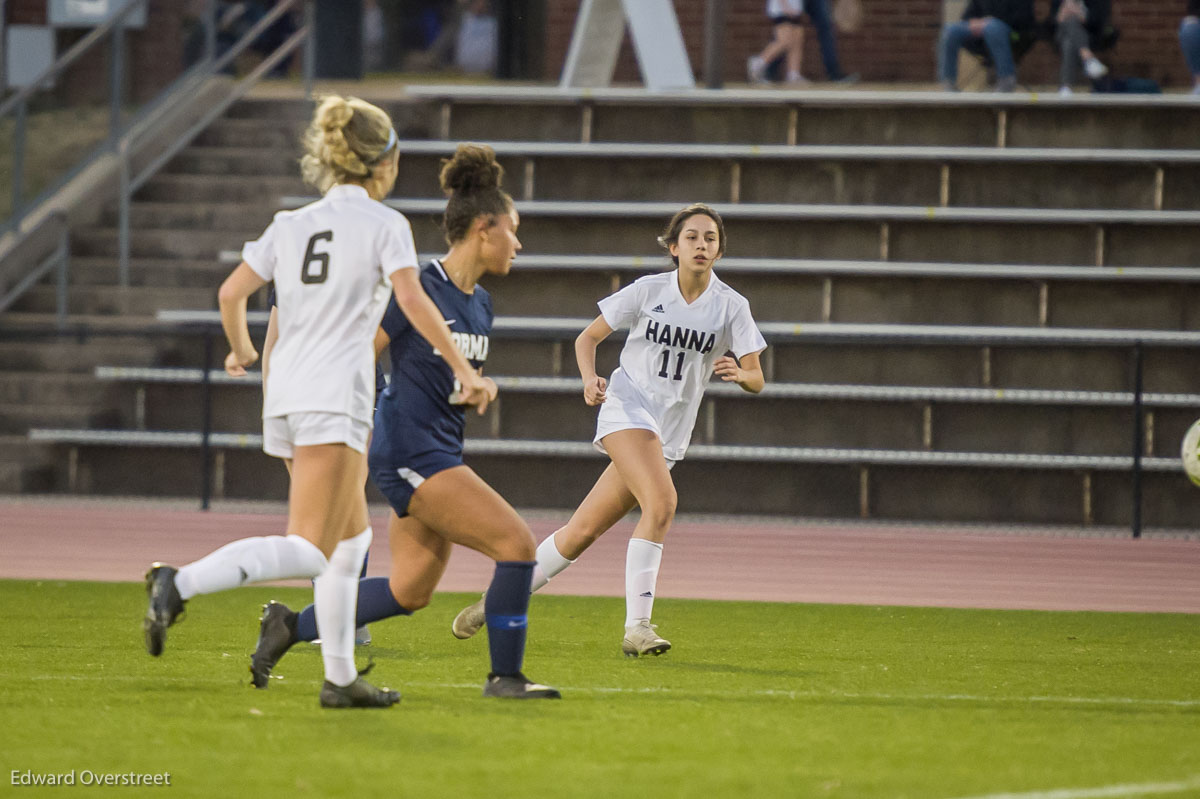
(392, 142)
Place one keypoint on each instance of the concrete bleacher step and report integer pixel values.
(193, 188)
(161, 243)
(36, 386)
(857, 232)
(838, 176)
(137, 301)
(934, 176)
(184, 217)
(74, 353)
(83, 412)
(414, 119)
(162, 272)
(812, 117)
(244, 161)
(880, 298)
(26, 466)
(279, 134)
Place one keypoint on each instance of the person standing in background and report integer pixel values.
(1189, 42)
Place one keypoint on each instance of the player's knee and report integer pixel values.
(516, 544)
(660, 511)
(411, 597)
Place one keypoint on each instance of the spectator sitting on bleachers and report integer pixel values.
(1079, 30)
(997, 23)
(1189, 41)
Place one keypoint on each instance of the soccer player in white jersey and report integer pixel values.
(331, 262)
(681, 325)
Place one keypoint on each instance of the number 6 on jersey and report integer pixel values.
(311, 255)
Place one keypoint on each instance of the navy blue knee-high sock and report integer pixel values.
(375, 602)
(507, 610)
(306, 624)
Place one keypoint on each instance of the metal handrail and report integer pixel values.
(125, 133)
(70, 57)
(131, 183)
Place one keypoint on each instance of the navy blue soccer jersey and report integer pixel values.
(380, 380)
(418, 412)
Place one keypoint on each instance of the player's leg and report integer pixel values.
(606, 504)
(463, 509)
(335, 591)
(638, 457)
(419, 558)
(302, 552)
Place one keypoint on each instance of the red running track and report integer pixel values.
(704, 558)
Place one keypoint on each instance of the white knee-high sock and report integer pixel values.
(642, 559)
(250, 560)
(335, 594)
(549, 563)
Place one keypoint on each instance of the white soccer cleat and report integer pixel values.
(469, 620)
(641, 639)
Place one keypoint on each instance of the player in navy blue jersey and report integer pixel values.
(416, 452)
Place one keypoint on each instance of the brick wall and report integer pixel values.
(154, 53)
(896, 43)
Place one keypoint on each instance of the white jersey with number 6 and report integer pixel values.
(330, 261)
(668, 357)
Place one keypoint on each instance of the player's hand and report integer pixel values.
(492, 389)
(594, 390)
(727, 369)
(236, 363)
(475, 391)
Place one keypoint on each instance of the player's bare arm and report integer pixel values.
(748, 373)
(430, 323)
(594, 386)
(231, 297)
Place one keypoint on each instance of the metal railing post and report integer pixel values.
(3, 45)
(124, 201)
(206, 423)
(309, 63)
(18, 164)
(1138, 441)
(62, 287)
(116, 69)
(210, 31)
(714, 40)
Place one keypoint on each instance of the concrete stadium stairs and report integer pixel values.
(223, 190)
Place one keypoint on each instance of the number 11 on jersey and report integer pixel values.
(666, 362)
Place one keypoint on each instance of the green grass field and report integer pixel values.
(756, 699)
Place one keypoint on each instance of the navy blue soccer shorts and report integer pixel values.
(397, 483)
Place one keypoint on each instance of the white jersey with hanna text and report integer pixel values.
(330, 262)
(668, 357)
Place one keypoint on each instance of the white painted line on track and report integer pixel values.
(684, 693)
(1103, 792)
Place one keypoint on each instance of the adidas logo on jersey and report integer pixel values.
(680, 337)
(656, 309)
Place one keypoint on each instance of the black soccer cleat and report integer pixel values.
(359, 693)
(276, 635)
(517, 686)
(165, 606)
